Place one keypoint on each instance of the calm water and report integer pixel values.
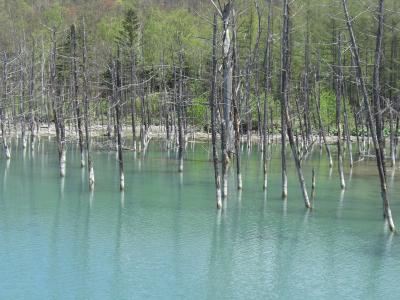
(163, 238)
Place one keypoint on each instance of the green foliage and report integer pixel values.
(197, 110)
(328, 108)
(128, 35)
(158, 33)
(167, 32)
(109, 28)
(54, 16)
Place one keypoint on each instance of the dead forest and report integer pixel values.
(116, 75)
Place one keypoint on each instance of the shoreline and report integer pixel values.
(155, 132)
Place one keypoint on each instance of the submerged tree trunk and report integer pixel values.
(85, 88)
(267, 92)
(133, 98)
(22, 101)
(378, 150)
(77, 105)
(213, 99)
(180, 113)
(7, 153)
(117, 99)
(57, 103)
(339, 88)
(235, 104)
(32, 125)
(227, 93)
(285, 98)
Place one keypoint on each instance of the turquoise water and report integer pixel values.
(163, 238)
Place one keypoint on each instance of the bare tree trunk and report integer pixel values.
(285, 98)
(248, 109)
(86, 107)
(235, 104)
(227, 93)
(180, 113)
(32, 125)
(339, 89)
(54, 90)
(22, 100)
(117, 99)
(77, 105)
(378, 150)
(213, 99)
(43, 88)
(267, 83)
(393, 106)
(283, 153)
(133, 98)
(306, 89)
(257, 67)
(2, 107)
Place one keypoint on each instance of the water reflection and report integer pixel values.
(163, 237)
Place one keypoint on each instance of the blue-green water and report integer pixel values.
(163, 238)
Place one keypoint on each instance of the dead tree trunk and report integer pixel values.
(32, 125)
(22, 100)
(85, 88)
(378, 150)
(227, 92)
(393, 106)
(306, 90)
(77, 105)
(117, 98)
(285, 98)
(180, 113)
(133, 97)
(256, 63)
(235, 104)
(3, 106)
(267, 92)
(57, 106)
(339, 89)
(213, 101)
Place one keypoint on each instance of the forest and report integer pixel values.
(235, 72)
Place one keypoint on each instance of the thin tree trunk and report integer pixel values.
(235, 104)
(22, 101)
(180, 113)
(378, 150)
(75, 93)
(32, 126)
(85, 88)
(285, 98)
(339, 87)
(2, 107)
(267, 91)
(117, 99)
(227, 93)
(133, 98)
(213, 99)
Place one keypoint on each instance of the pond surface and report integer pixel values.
(163, 238)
